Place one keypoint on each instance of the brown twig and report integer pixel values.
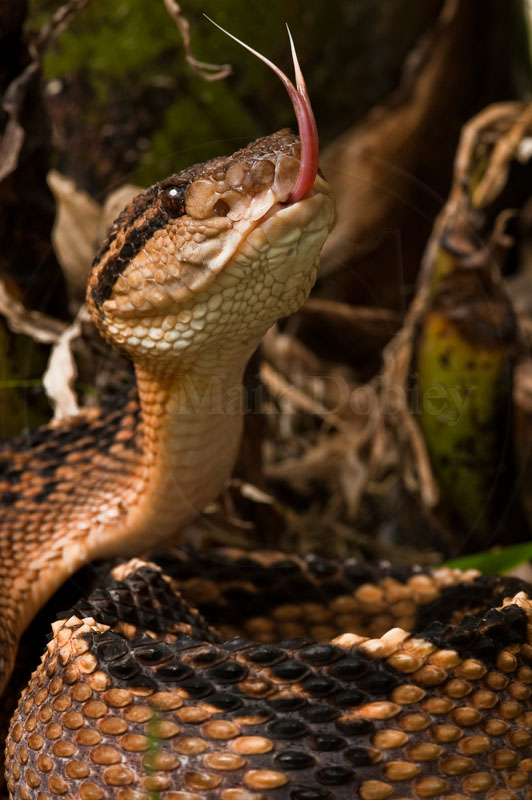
(12, 139)
(209, 72)
(58, 23)
(469, 139)
(496, 174)
(40, 327)
(280, 387)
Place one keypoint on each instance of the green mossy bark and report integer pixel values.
(23, 403)
(127, 57)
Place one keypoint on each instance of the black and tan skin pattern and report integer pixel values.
(138, 696)
(44, 476)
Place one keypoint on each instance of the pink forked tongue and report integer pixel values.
(308, 132)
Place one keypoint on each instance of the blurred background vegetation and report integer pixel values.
(126, 106)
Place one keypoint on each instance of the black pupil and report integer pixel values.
(173, 201)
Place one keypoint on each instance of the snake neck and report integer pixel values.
(169, 461)
(189, 433)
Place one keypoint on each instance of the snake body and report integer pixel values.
(232, 676)
(139, 696)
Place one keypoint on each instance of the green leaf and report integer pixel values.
(500, 560)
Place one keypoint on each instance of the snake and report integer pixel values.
(227, 674)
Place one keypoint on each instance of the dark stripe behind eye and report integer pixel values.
(135, 239)
(116, 264)
(136, 208)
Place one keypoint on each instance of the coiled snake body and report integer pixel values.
(171, 681)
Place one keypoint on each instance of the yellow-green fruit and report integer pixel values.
(463, 375)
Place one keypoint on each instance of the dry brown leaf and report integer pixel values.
(81, 224)
(76, 231)
(62, 371)
(39, 327)
(13, 136)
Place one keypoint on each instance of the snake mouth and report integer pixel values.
(271, 218)
(299, 213)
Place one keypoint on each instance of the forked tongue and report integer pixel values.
(308, 132)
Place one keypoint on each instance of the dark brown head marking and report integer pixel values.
(148, 212)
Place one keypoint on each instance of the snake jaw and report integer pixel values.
(308, 131)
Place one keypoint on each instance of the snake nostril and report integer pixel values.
(221, 208)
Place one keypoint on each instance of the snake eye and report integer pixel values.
(173, 200)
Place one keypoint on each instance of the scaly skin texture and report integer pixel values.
(191, 276)
(138, 696)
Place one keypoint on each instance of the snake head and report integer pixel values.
(211, 257)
